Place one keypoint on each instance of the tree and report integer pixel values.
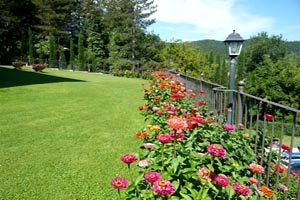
(30, 44)
(52, 51)
(127, 21)
(278, 82)
(80, 58)
(262, 45)
(72, 54)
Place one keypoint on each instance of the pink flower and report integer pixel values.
(155, 109)
(151, 177)
(241, 189)
(177, 123)
(128, 158)
(222, 180)
(179, 135)
(256, 168)
(144, 163)
(164, 138)
(283, 187)
(216, 150)
(228, 127)
(119, 183)
(163, 187)
(149, 145)
(206, 174)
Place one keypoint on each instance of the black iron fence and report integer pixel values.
(271, 124)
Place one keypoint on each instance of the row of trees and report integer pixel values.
(112, 34)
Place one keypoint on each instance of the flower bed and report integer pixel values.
(188, 155)
(18, 64)
(38, 67)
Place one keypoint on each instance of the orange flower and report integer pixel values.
(267, 192)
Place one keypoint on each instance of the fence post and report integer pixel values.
(240, 104)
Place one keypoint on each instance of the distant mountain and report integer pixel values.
(219, 46)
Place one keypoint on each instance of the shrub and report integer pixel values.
(38, 67)
(18, 64)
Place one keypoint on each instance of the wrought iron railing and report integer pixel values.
(282, 125)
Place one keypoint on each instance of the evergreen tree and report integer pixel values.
(30, 44)
(127, 21)
(72, 54)
(80, 57)
(52, 51)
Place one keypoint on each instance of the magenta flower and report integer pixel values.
(241, 189)
(216, 150)
(119, 183)
(256, 168)
(151, 177)
(222, 180)
(228, 127)
(164, 138)
(128, 158)
(163, 187)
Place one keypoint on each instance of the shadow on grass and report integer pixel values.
(10, 77)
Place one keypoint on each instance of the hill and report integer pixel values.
(219, 47)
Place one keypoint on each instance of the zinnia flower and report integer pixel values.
(151, 177)
(268, 117)
(129, 158)
(283, 187)
(267, 192)
(228, 127)
(201, 92)
(241, 189)
(286, 148)
(177, 123)
(144, 163)
(163, 187)
(149, 145)
(119, 183)
(201, 103)
(256, 168)
(206, 174)
(222, 180)
(164, 138)
(253, 180)
(216, 150)
(279, 168)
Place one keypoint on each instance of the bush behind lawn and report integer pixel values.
(62, 133)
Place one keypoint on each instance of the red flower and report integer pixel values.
(279, 168)
(201, 92)
(286, 148)
(201, 103)
(268, 117)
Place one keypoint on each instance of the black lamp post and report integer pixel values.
(234, 44)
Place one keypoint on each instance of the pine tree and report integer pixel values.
(72, 54)
(52, 51)
(30, 44)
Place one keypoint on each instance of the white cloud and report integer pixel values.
(210, 19)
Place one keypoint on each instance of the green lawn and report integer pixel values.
(62, 133)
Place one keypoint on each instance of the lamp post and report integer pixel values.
(234, 44)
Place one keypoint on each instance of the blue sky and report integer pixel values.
(191, 20)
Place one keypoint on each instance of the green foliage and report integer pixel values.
(81, 50)
(30, 42)
(185, 159)
(52, 51)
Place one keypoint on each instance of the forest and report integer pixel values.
(111, 35)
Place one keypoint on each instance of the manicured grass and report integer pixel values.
(62, 133)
